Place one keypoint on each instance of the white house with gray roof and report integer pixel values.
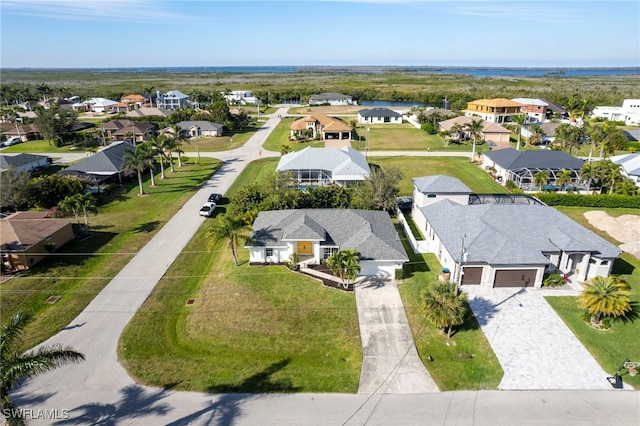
(23, 162)
(504, 243)
(325, 166)
(315, 234)
(379, 116)
(201, 128)
(173, 99)
(629, 166)
(331, 99)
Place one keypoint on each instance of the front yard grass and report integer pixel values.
(79, 271)
(467, 360)
(229, 140)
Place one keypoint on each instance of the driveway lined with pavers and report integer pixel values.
(534, 346)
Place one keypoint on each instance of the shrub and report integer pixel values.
(590, 200)
(553, 280)
(399, 274)
(292, 263)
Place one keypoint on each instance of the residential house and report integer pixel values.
(149, 112)
(173, 99)
(494, 247)
(27, 237)
(629, 166)
(320, 126)
(521, 166)
(629, 113)
(100, 105)
(26, 132)
(325, 166)
(535, 109)
(316, 234)
(555, 111)
(491, 132)
(135, 101)
(241, 97)
(332, 99)
(201, 128)
(135, 131)
(24, 162)
(548, 131)
(379, 116)
(431, 189)
(498, 110)
(105, 166)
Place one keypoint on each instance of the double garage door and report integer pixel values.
(503, 277)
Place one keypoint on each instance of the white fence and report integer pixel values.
(418, 246)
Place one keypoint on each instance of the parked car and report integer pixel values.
(11, 141)
(207, 209)
(214, 198)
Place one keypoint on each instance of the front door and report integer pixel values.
(304, 248)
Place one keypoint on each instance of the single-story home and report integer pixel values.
(379, 115)
(149, 112)
(332, 99)
(316, 234)
(629, 165)
(320, 126)
(495, 246)
(24, 162)
(26, 237)
(201, 128)
(325, 166)
(105, 166)
(491, 132)
(100, 105)
(26, 132)
(521, 166)
(548, 131)
(137, 131)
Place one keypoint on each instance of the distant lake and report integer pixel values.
(472, 71)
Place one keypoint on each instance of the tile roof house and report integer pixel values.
(315, 234)
(331, 99)
(173, 99)
(325, 166)
(26, 132)
(24, 162)
(499, 248)
(201, 128)
(317, 125)
(379, 115)
(491, 132)
(498, 110)
(106, 165)
(138, 131)
(629, 165)
(26, 237)
(521, 166)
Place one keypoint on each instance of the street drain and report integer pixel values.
(190, 302)
(52, 299)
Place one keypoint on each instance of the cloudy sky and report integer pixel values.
(167, 33)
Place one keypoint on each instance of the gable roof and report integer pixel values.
(511, 159)
(341, 162)
(108, 161)
(496, 233)
(203, 125)
(175, 94)
(441, 184)
(370, 232)
(629, 162)
(7, 161)
(21, 230)
(378, 112)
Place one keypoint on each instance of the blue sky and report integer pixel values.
(159, 33)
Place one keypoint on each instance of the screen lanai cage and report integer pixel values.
(525, 179)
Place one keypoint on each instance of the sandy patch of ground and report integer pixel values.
(625, 228)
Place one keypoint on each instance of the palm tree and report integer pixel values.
(169, 147)
(231, 229)
(138, 160)
(475, 129)
(285, 149)
(564, 178)
(16, 366)
(605, 296)
(80, 202)
(588, 173)
(179, 138)
(345, 264)
(536, 135)
(444, 306)
(457, 130)
(158, 144)
(520, 120)
(541, 177)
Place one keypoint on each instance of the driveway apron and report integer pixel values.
(391, 364)
(534, 346)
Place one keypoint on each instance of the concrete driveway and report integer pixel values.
(534, 346)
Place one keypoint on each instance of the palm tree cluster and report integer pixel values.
(444, 305)
(16, 366)
(605, 296)
(607, 176)
(345, 264)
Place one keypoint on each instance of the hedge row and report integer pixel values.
(591, 200)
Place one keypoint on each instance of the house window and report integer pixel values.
(269, 252)
(432, 195)
(604, 263)
(328, 251)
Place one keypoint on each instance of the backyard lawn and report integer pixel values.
(124, 223)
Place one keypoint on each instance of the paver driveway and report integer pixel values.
(535, 347)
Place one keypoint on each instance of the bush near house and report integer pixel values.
(591, 200)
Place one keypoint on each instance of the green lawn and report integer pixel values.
(230, 140)
(40, 146)
(280, 136)
(610, 348)
(123, 225)
(469, 363)
(251, 329)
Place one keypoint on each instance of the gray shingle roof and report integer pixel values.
(370, 232)
(512, 159)
(344, 161)
(378, 112)
(106, 162)
(203, 125)
(497, 233)
(630, 163)
(7, 161)
(440, 184)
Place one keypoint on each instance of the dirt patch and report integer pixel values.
(625, 228)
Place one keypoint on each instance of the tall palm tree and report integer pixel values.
(475, 129)
(178, 136)
(540, 178)
(519, 120)
(16, 366)
(444, 306)
(138, 159)
(158, 145)
(588, 173)
(231, 229)
(605, 296)
(77, 203)
(564, 178)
